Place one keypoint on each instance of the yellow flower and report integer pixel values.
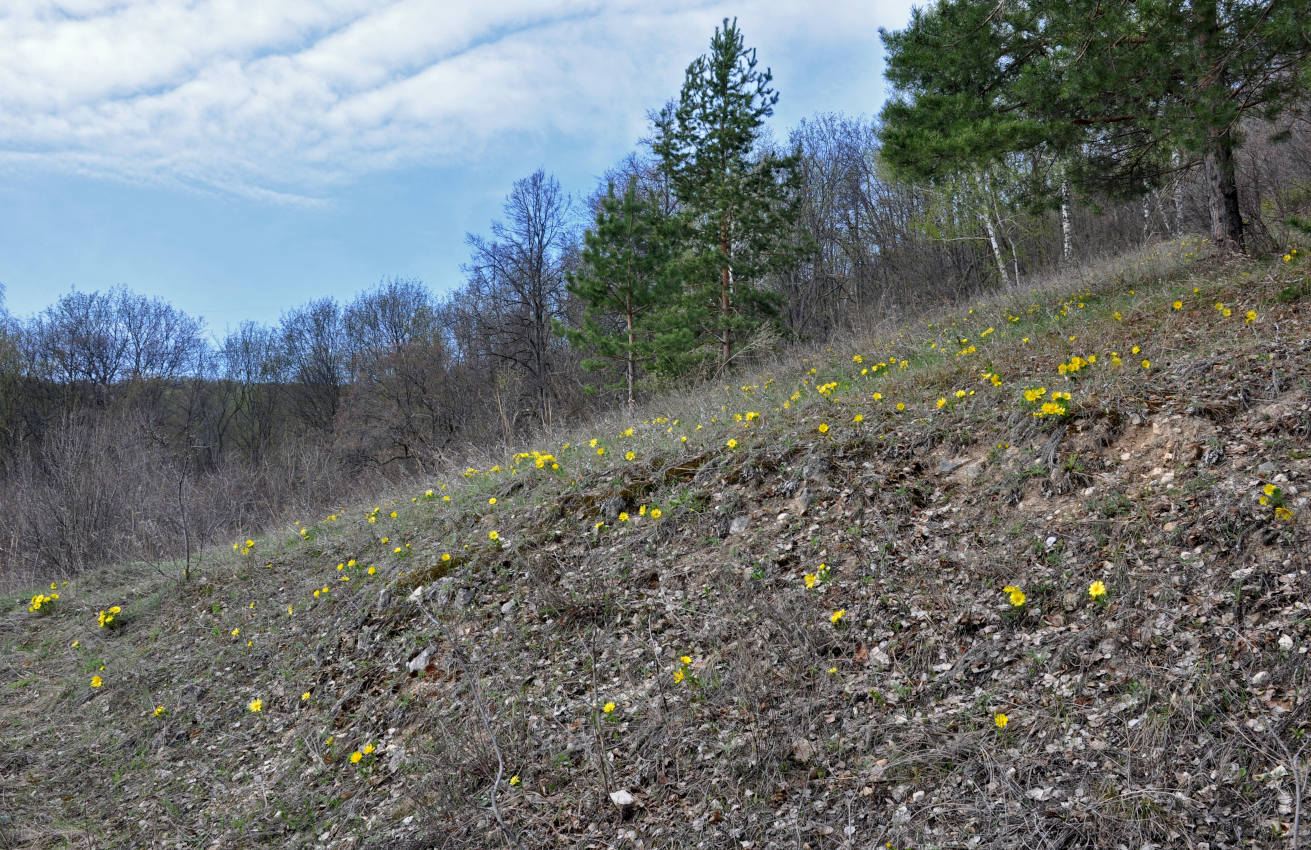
(623, 516)
(1147, 364)
(1284, 514)
(256, 705)
(630, 455)
(236, 631)
(492, 500)
(159, 710)
(373, 570)
(655, 513)
(678, 676)
(368, 748)
(514, 780)
(878, 396)
(96, 681)
(393, 515)
(446, 556)
(356, 756)
(493, 535)
(1096, 589)
(942, 402)
(608, 707)
(1178, 305)
(837, 616)
(901, 405)
(732, 444)
(1251, 316)
(305, 696)
(1269, 489)
(823, 427)
(1017, 598)
(810, 580)
(858, 418)
(686, 659)
(1001, 720)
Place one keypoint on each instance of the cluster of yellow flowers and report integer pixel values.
(243, 547)
(1056, 404)
(106, 618)
(43, 599)
(820, 576)
(1016, 595)
(1272, 496)
(685, 662)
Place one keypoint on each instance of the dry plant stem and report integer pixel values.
(596, 720)
(472, 675)
(186, 534)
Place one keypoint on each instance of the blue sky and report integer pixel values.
(239, 159)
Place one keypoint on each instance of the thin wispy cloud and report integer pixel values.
(285, 100)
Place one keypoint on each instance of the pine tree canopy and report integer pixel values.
(1123, 91)
(740, 204)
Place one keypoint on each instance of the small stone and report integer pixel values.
(1267, 468)
(815, 470)
(621, 798)
(1261, 679)
(947, 466)
(802, 751)
(738, 525)
(508, 607)
(419, 663)
(803, 501)
(1285, 643)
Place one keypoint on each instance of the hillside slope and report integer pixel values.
(842, 604)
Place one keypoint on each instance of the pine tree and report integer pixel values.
(1117, 89)
(740, 205)
(629, 284)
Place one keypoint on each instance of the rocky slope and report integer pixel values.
(891, 596)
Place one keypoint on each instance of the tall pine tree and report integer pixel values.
(629, 284)
(739, 204)
(1118, 89)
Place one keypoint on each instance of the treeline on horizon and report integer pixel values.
(122, 421)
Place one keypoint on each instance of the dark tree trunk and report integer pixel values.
(1222, 193)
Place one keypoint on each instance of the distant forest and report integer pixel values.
(715, 244)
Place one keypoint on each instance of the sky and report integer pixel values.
(238, 158)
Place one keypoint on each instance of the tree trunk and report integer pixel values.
(725, 303)
(996, 247)
(1222, 193)
(632, 403)
(1067, 232)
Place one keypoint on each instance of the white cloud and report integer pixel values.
(283, 99)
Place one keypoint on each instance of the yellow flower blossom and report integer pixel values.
(1000, 721)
